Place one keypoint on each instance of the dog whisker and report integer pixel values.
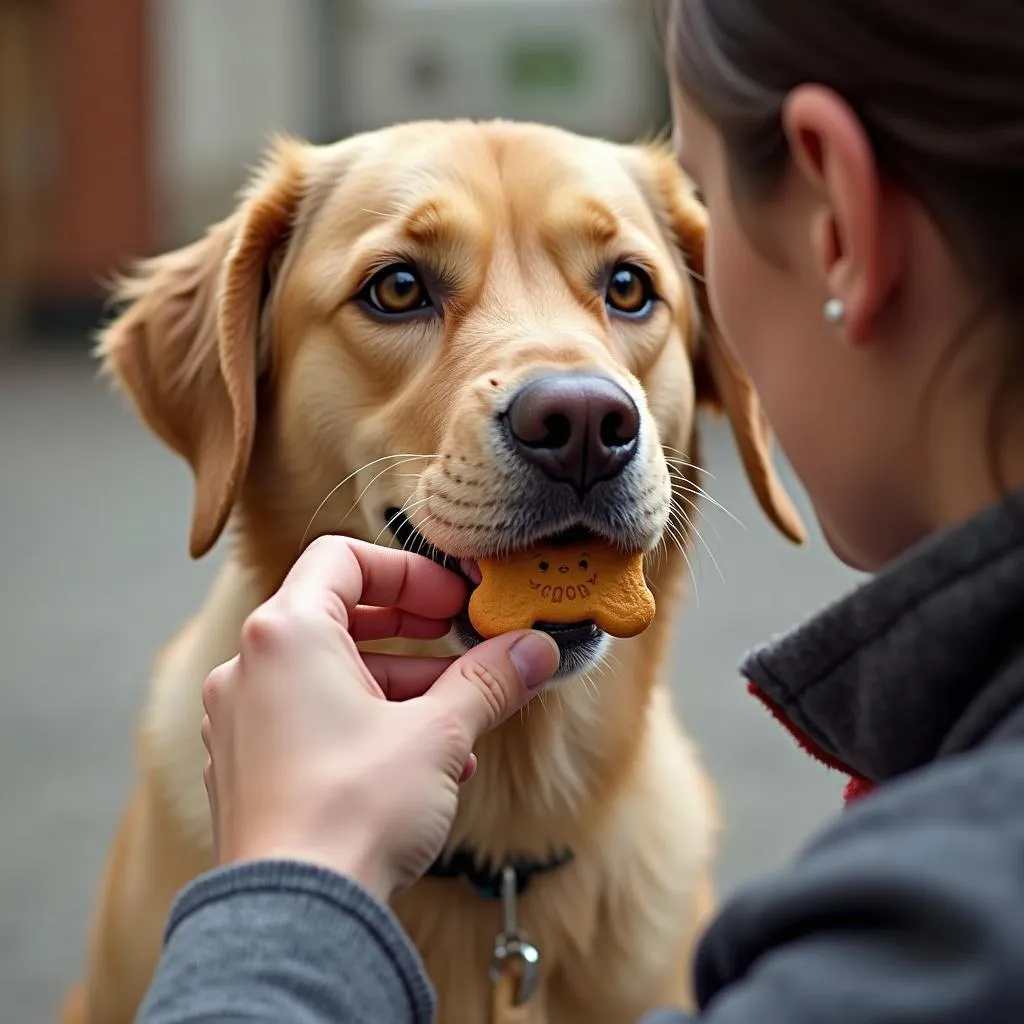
(379, 213)
(685, 469)
(408, 542)
(383, 472)
(691, 484)
(419, 537)
(682, 486)
(601, 663)
(682, 522)
(684, 460)
(682, 498)
(337, 487)
(404, 510)
(662, 551)
(589, 687)
(411, 504)
(657, 556)
(408, 506)
(592, 687)
(423, 540)
(688, 524)
(685, 500)
(680, 471)
(604, 661)
(679, 541)
(689, 487)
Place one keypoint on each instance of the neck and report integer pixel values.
(976, 444)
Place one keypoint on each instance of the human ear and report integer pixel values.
(856, 232)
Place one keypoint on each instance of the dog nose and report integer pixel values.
(578, 428)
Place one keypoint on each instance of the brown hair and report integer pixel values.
(939, 88)
(937, 84)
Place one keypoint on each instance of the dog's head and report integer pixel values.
(487, 334)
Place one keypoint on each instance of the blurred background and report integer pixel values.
(125, 128)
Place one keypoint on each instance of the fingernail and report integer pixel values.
(535, 658)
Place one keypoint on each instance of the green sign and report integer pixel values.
(544, 66)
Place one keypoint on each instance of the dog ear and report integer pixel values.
(187, 348)
(722, 385)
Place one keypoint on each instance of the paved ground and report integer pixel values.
(93, 522)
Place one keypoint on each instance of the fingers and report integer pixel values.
(469, 769)
(484, 687)
(356, 572)
(410, 582)
(214, 687)
(210, 782)
(403, 678)
(216, 714)
(368, 623)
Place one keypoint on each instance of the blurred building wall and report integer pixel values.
(227, 73)
(75, 189)
(230, 72)
(128, 126)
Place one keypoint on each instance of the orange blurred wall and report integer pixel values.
(76, 183)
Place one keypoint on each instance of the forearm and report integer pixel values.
(283, 942)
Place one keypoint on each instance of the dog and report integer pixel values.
(344, 353)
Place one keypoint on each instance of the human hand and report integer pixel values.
(351, 760)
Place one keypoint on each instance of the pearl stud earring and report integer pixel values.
(834, 311)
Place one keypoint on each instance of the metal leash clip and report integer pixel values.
(511, 949)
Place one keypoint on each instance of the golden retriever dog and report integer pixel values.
(465, 338)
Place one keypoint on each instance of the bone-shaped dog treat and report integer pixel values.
(583, 582)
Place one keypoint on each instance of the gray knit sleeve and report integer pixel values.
(289, 943)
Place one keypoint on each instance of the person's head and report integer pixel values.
(866, 158)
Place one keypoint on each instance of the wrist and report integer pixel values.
(356, 862)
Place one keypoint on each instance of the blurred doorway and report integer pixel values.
(75, 176)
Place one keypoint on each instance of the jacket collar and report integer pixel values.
(923, 660)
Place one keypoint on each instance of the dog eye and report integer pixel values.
(543, 566)
(630, 291)
(583, 564)
(396, 289)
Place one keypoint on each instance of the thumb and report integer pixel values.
(494, 680)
